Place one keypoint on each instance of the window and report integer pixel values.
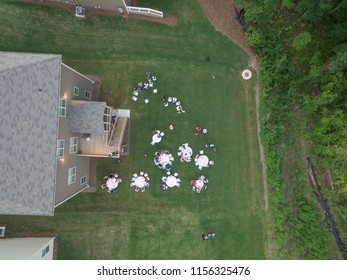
(87, 94)
(72, 175)
(62, 107)
(60, 148)
(45, 251)
(76, 91)
(83, 180)
(73, 145)
(107, 119)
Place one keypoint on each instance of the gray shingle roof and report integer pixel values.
(85, 116)
(29, 92)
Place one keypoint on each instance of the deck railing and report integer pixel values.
(145, 11)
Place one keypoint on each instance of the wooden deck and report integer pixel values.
(98, 144)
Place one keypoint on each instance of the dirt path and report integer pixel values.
(221, 14)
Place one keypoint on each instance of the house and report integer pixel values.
(51, 128)
(27, 248)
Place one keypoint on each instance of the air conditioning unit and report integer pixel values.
(2, 231)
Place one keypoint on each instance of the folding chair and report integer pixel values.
(175, 174)
(201, 152)
(135, 93)
(135, 175)
(146, 101)
(155, 90)
(211, 162)
(162, 133)
(142, 173)
(134, 98)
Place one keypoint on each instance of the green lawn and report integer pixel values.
(156, 224)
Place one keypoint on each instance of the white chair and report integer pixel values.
(146, 101)
(163, 179)
(169, 99)
(178, 180)
(189, 159)
(211, 162)
(135, 93)
(162, 134)
(200, 167)
(179, 153)
(152, 142)
(155, 90)
(175, 174)
(201, 152)
(134, 98)
(146, 175)
(142, 173)
(178, 103)
(166, 104)
(168, 173)
(137, 189)
(143, 189)
(135, 175)
(178, 185)
(185, 145)
(150, 84)
(204, 130)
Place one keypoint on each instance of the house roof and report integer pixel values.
(29, 91)
(85, 116)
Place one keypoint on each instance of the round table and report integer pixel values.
(156, 138)
(199, 184)
(112, 183)
(171, 181)
(140, 182)
(164, 159)
(187, 152)
(202, 161)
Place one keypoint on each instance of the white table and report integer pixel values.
(140, 182)
(171, 181)
(112, 183)
(164, 159)
(187, 152)
(202, 161)
(156, 138)
(199, 184)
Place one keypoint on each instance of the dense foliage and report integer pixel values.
(303, 53)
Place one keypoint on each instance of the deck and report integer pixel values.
(101, 145)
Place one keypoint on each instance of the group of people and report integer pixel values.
(163, 159)
(111, 182)
(199, 130)
(145, 85)
(175, 102)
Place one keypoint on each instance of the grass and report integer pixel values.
(156, 224)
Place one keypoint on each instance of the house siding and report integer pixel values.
(70, 79)
(26, 248)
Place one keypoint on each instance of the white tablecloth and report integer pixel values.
(140, 182)
(171, 181)
(187, 152)
(164, 159)
(202, 161)
(112, 183)
(156, 138)
(199, 184)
